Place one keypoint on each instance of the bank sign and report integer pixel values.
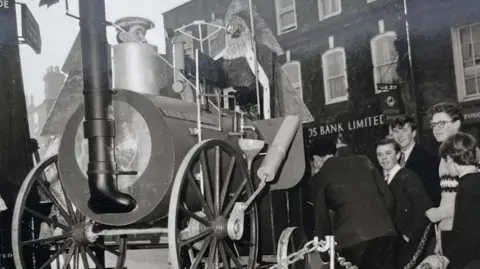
(345, 126)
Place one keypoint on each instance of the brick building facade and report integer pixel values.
(338, 51)
(325, 38)
(445, 49)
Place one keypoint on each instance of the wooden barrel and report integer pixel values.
(153, 134)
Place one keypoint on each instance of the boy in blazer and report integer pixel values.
(354, 190)
(416, 158)
(411, 200)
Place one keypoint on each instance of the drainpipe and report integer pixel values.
(413, 92)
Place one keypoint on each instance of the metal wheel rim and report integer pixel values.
(75, 252)
(180, 179)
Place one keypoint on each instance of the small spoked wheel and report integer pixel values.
(292, 240)
(202, 233)
(48, 232)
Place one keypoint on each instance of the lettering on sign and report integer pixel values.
(339, 127)
(186, 116)
(5, 4)
(472, 116)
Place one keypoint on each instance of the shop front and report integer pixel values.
(360, 129)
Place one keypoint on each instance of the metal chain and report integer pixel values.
(309, 247)
(420, 248)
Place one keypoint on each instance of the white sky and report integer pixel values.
(59, 31)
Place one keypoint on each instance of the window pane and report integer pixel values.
(385, 50)
(284, 4)
(292, 72)
(387, 73)
(323, 7)
(329, 6)
(469, 69)
(335, 64)
(465, 36)
(476, 33)
(476, 50)
(470, 86)
(467, 52)
(335, 5)
(337, 87)
(287, 19)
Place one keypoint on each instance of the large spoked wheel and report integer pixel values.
(49, 233)
(199, 231)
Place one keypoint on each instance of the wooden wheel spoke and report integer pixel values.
(48, 240)
(212, 252)
(226, 182)
(76, 258)
(216, 184)
(232, 256)
(54, 201)
(194, 216)
(78, 216)
(94, 258)
(196, 238)
(55, 256)
(223, 256)
(201, 253)
(106, 248)
(206, 178)
(83, 254)
(46, 219)
(198, 193)
(72, 250)
(230, 205)
(67, 200)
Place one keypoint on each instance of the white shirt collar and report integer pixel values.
(392, 173)
(408, 151)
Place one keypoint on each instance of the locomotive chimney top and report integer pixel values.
(135, 26)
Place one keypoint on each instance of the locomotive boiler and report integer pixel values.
(133, 162)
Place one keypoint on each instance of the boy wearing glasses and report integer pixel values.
(445, 121)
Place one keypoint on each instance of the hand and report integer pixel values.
(431, 215)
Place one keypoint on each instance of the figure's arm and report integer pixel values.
(321, 210)
(420, 202)
(444, 211)
(433, 179)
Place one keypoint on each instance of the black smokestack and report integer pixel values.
(99, 125)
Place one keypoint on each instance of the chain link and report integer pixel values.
(308, 248)
(420, 248)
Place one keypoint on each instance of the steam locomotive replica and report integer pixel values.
(133, 162)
